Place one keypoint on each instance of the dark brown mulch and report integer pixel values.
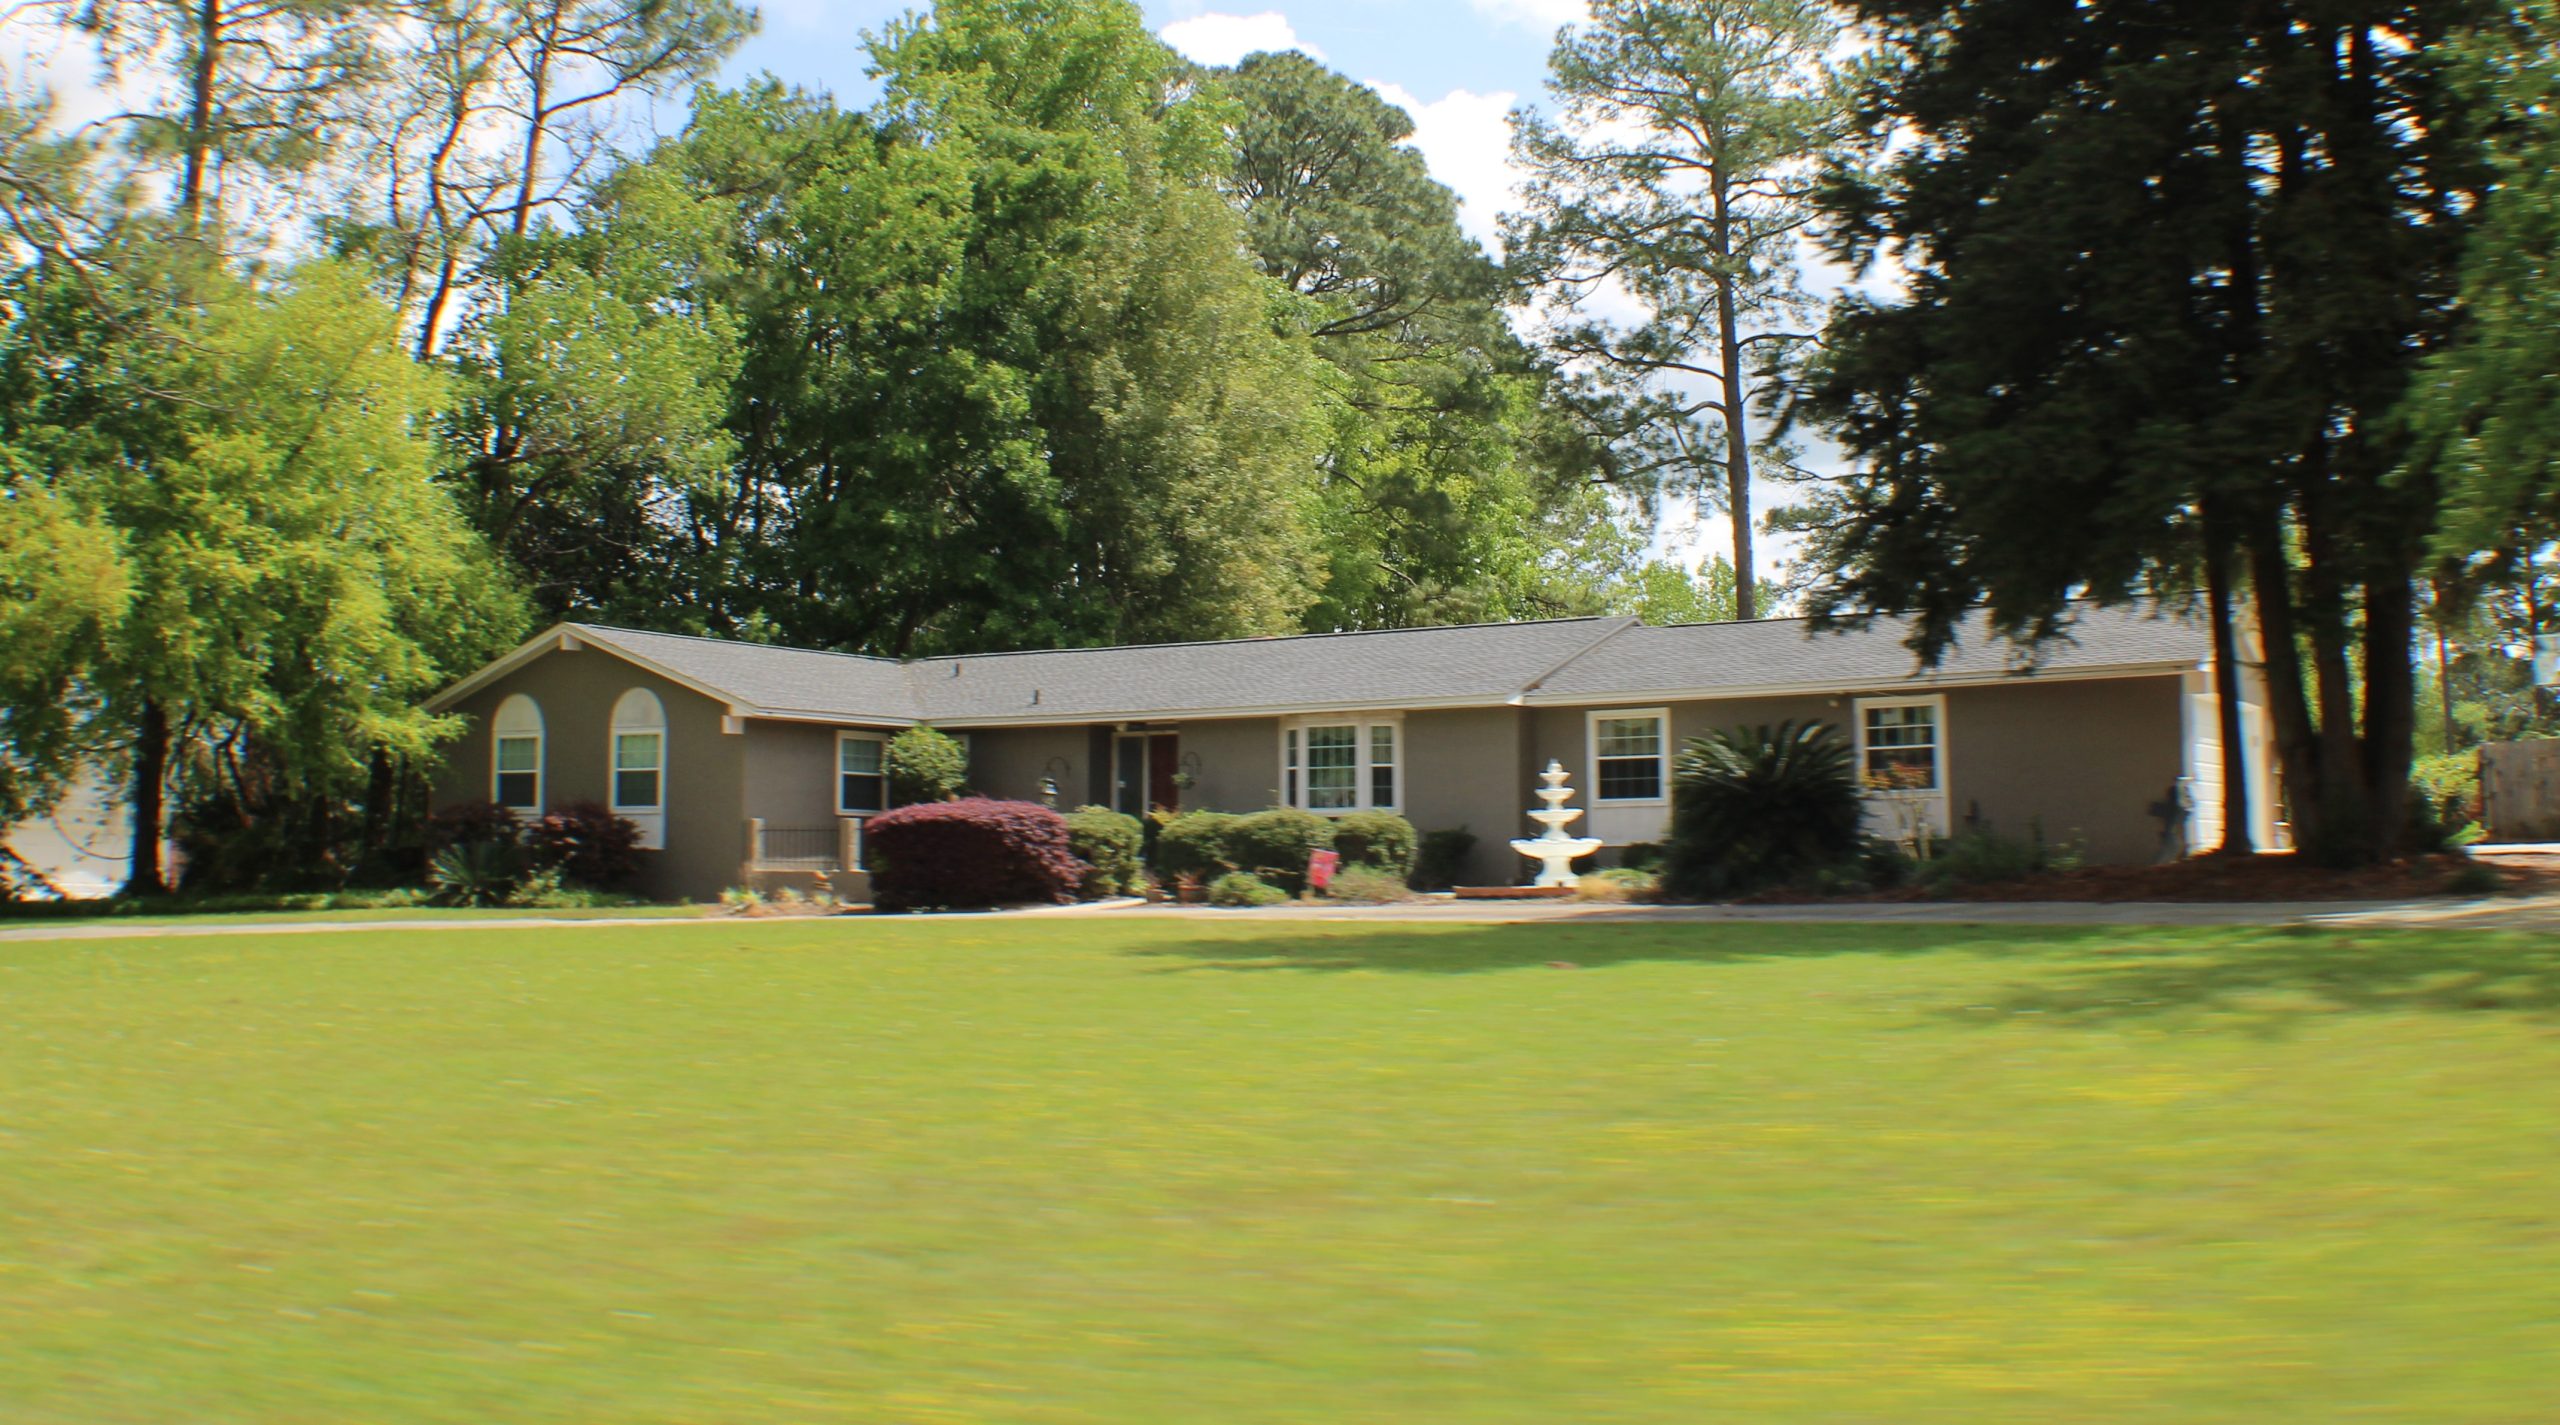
(2279, 877)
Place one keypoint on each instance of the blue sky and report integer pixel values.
(1457, 65)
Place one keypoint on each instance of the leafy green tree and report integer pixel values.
(1662, 592)
(592, 401)
(2487, 403)
(1008, 377)
(1679, 173)
(2168, 270)
(63, 585)
(1452, 482)
(925, 764)
(297, 578)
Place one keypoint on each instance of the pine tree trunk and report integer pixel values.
(150, 775)
(199, 140)
(2237, 811)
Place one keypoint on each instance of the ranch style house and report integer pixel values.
(741, 760)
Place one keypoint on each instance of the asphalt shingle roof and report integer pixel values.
(1390, 668)
(824, 685)
(1556, 661)
(1786, 653)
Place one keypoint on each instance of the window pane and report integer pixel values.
(1630, 778)
(519, 754)
(1333, 768)
(861, 756)
(1382, 765)
(635, 790)
(863, 792)
(635, 752)
(516, 790)
(1902, 747)
(1628, 737)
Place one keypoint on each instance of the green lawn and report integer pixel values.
(1102, 1171)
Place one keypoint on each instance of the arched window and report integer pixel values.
(639, 751)
(515, 762)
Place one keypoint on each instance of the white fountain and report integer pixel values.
(1552, 849)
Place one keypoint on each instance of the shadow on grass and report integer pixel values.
(1478, 949)
(2078, 974)
(2290, 974)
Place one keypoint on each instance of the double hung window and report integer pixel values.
(862, 773)
(1341, 764)
(1630, 756)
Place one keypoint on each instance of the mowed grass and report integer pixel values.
(1136, 1170)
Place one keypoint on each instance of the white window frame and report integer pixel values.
(1934, 798)
(651, 819)
(843, 736)
(1363, 745)
(1591, 756)
(499, 736)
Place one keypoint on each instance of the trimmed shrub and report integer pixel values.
(588, 845)
(924, 765)
(1759, 806)
(1194, 844)
(1237, 888)
(1274, 845)
(971, 852)
(470, 824)
(1375, 838)
(1641, 856)
(1107, 842)
(1443, 854)
(1368, 885)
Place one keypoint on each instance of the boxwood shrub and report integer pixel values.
(1107, 843)
(1376, 838)
(1194, 844)
(1274, 845)
(973, 852)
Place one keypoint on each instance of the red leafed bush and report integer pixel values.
(472, 824)
(973, 852)
(588, 845)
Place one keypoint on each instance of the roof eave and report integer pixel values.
(2147, 668)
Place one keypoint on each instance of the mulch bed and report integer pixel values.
(2281, 877)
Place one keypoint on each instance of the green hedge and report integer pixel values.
(1107, 841)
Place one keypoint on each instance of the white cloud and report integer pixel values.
(1216, 39)
(1465, 138)
(1543, 16)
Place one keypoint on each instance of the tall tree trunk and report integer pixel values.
(2390, 706)
(2237, 812)
(1737, 430)
(199, 140)
(150, 774)
(2288, 707)
(2444, 671)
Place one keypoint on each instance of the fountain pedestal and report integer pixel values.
(1552, 849)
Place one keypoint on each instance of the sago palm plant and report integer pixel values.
(1758, 806)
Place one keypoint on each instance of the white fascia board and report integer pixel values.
(557, 636)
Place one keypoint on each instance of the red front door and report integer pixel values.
(1164, 758)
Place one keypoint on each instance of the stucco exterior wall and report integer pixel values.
(2087, 759)
(1239, 766)
(1468, 769)
(705, 767)
(791, 774)
(1009, 762)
